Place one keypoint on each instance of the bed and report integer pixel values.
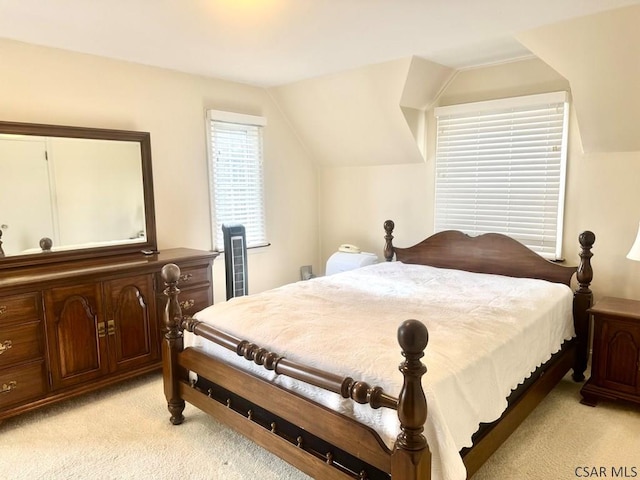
(335, 409)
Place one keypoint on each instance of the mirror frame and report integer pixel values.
(144, 139)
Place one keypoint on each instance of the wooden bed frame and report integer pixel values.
(327, 445)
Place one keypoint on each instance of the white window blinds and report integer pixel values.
(500, 167)
(236, 179)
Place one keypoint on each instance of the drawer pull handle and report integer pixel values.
(111, 327)
(101, 329)
(3, 309)
(186, 277)
(7, 387)
(187, 304)
(6, 345)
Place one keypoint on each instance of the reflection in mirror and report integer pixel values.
(62, 186)
(68, 189)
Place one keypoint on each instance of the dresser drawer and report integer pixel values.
(189, 276)
(22, 383)
(192, 300)
(20, 343)
(19, 307)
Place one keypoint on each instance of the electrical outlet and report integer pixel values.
(306, 272)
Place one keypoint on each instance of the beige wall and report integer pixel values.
(43, 85)
(357, 200)
(309, 212)
(602, 189)
(600, 55)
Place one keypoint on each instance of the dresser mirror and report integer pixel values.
(68, 193)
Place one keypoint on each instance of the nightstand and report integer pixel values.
(615, 366)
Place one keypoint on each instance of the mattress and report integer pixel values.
(487, 334)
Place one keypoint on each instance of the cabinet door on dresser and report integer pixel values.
(76, 334)
(132, 329)
(100, 328)
(618, 355)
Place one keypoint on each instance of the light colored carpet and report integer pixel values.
(123, 432)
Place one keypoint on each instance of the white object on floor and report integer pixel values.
(342, 261)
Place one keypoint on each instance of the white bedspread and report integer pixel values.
(487, 333)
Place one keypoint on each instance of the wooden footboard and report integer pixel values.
(409, 460)
(272, 416)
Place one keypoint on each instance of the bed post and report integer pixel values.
(582, 300)
(173, 343)
(411, 458)
(388, 240)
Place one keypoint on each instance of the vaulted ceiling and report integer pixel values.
(375, 115)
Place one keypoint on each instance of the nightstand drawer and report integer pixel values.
(22, 383)
(19, 307)
(20, 343)
(188, 276)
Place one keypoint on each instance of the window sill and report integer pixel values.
(251, 250)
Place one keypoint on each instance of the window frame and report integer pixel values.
(476, 114)
(257, 123)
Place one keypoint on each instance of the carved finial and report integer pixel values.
(388, 239)
(587, 239)
(413, 337)
(45, 244)
(170, 273)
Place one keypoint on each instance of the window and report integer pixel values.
(236, 181)
(500, 167)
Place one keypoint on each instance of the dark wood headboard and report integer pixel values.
(489, 253)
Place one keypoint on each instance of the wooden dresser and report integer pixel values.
(615, 369)
(69, 328)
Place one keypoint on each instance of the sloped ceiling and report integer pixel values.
(372, 115)
(600, 56)
(375, 115)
